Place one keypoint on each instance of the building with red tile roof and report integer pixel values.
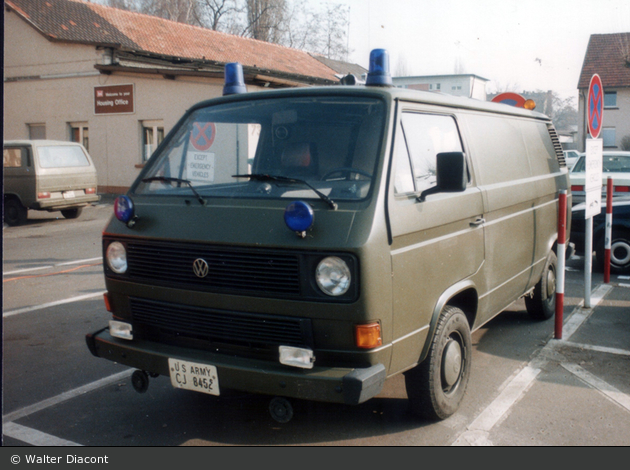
(607, 55)
(60, 54)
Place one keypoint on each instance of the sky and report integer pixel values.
(516, 44)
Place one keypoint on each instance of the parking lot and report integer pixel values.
(526, 388)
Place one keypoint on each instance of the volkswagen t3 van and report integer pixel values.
(312, 243)
(47, 175)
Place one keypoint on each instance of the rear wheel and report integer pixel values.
(72, 213)
(436, 387)
(542, 304)
(14, 212)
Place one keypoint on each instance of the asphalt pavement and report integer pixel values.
(576, 389)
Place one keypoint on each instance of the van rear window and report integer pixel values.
(61, 156)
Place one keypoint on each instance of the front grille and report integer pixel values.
(230, 270)
(219, 326)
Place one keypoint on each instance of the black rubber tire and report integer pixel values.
(435, 392)
(619, 252)
(14, 212)
(542, 304)
(72, 213)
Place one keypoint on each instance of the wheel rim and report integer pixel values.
(452, 364)
(620, 253)
(551, 283)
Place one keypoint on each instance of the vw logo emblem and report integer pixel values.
(200, 268)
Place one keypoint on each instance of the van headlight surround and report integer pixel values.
(333, 276)
(116, 256)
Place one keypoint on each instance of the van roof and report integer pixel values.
(40, 142)
(388, 93)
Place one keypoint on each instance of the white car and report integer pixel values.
(616, 164)
(571, 157)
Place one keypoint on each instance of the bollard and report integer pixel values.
(562, 249)
(608, 230)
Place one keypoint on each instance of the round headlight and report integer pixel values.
(333, 276)
(116, 257)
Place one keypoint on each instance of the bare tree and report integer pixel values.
(287, 22)
(218, 15)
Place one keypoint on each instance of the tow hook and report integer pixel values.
(140, 381)
(281, 410)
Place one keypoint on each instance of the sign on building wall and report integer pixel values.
(114, 99)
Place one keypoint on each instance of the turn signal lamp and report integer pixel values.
(378, 74)
(234, 82)
(529, 104)
(43, 195)
(368, 336)
(299, 217)
(123, 208)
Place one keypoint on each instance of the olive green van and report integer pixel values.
(47, 175)
(312, 243)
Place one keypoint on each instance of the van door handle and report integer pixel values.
(478, 221)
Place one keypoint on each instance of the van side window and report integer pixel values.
(13, 157)
(426, 136)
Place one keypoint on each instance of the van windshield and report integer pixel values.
(272, 148)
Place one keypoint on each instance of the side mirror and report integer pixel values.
(451, 175)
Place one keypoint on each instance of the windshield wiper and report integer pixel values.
(168, 179)
(286, 179)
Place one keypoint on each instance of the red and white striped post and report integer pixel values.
(562, 250)
(608, 231)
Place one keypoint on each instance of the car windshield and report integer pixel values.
(611, 164)
(308, 147)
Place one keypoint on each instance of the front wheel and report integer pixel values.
(436, 386)
(542, 303)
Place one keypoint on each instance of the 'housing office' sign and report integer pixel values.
(113, 99)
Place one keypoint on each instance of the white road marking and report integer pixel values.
(38, 438)
(608, 390)
(478, 431)
(78, 298)
(39, 268)
(33, 436)
(28, 410)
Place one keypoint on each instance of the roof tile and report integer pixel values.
(98, 24)
(607, 55)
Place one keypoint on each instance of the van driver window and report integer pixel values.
(426, 136)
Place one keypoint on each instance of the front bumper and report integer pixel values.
(325, 384)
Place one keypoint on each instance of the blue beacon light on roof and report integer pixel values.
(378, 74)
(234, 82)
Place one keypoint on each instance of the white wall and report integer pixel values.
(115, 140)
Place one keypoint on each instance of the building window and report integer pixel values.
(36, 131)
(79, 133)
(610, 99)
(609, 136)
(152, 136)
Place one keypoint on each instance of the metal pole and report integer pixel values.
(588, 261)
(562, 249)
(608, 230)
